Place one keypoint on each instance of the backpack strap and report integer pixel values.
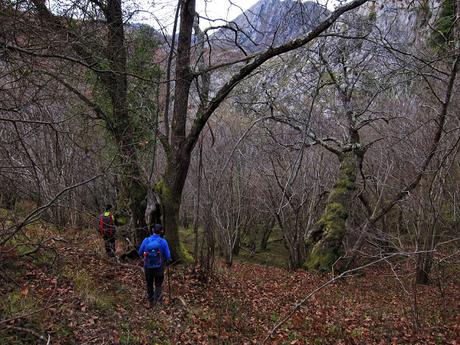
(106, 227)
(161, 257)
(111, 223)
(101, 224)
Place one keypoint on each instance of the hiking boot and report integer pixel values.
(151, 304)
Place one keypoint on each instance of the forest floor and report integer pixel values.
(71, 294)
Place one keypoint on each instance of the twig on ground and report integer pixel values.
(31, 331)
(28, 314)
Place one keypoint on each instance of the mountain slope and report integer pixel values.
(270, 22)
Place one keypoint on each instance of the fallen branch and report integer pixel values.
(28, 314)
(41, 245)
(35, 214)
(31, 331)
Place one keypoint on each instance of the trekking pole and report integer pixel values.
(169, 282)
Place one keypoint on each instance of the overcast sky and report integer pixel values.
(163, 10)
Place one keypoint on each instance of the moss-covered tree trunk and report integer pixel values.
(121, 124)
(109, 62)
(133, 197)
(326, 242)
(171, 204)
(170, 193)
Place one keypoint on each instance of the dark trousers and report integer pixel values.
(154, 275)
(109, 241)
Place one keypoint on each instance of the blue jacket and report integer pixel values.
(155, 251)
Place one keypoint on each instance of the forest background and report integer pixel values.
(322, 141)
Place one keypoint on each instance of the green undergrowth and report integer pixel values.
(17, 302)
(98, 295)
(20, 302)
(128, 336)
(13, 337)
(5, 214)
(276, 253)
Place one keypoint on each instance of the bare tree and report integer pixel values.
(181, 144)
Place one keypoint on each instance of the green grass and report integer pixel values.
(88, 289)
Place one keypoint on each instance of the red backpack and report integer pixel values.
(106, 226)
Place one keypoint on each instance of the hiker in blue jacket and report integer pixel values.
(155, 251)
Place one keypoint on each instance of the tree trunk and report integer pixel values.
(137, 205)
(170, 193)
(133, 194)
(252, 238)
(179, 145)
(327, 240)
(296, 248)
(207, 253)
(266, 232)
(425, 258)
(237, 243)
(424, 263)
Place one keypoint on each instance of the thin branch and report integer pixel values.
(30, 331)
(261, 58)
(168, 75)
(29, 314)
(35, 214)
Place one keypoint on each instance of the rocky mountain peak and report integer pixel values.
(270, 23)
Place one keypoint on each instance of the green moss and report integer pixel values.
(357, 332)
(348, 168)
(186, 256)
(127, 337)
(372, 12)
(172, 205)
(343, 185)
(154, 328)
(122, 220)
(320, 260)
(333, 221)
(335, 212)
(4, 213)
(336, 331)
(164, 192)
(63, 331)
(372, 16)
(44, 259)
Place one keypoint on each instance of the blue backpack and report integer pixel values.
(152, 256)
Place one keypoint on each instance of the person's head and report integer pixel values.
(158, 229)
(108, 207)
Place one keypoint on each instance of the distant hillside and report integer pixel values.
(270, 22)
